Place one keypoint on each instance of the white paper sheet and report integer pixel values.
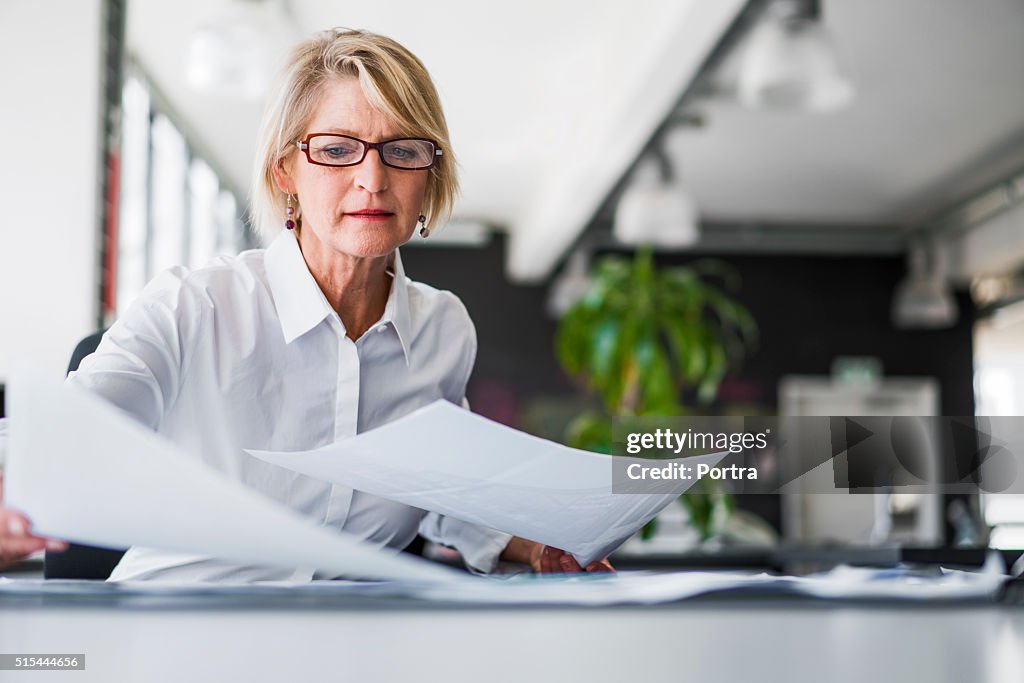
(590, 589)
(445, 459)
(83, 471)
(901, 583)
(626, 588)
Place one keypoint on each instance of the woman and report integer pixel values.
(320, 336)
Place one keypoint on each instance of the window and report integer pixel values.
(999, 389)
(174, 208)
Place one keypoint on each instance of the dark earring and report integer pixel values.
(424, 231)
(289, 211)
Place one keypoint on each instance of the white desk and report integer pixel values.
(757, 640)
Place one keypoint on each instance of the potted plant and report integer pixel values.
(641, 339)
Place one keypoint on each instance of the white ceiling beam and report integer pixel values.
(593, 159)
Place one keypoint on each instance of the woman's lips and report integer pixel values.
(370, 215)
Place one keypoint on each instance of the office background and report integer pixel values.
(119, 163)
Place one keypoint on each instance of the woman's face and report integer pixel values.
(366, 210)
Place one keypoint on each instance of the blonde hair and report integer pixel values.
(394, 82)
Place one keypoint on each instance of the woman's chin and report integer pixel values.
(363, 241)
(369, 246)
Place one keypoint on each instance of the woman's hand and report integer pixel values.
(16, 541)
(544, 559)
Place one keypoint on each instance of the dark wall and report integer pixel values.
(514, 333)
(809, 309)
(515, 362)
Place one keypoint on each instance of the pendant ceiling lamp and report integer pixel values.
(571, 284)
(924, 300)
(656, 208)
(790, 62)
(231, 54)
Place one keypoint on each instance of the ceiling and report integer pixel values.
(550, 101)
(939, 113)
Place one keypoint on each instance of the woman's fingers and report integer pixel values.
(569, 564)
(16, 540)
(13, 525)
(556, 561)
(550, 560)
(548, 563)
(55, 545)
(600, 566)
(12, 550)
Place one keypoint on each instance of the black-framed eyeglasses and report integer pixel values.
(409, 154)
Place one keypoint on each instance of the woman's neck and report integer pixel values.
(357, 288)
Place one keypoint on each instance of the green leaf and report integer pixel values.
(699, 508)
(648, 530)
(604, 342)
(708, 387)
(690, 356)
(591, 432)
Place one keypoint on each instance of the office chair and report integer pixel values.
(91, 562)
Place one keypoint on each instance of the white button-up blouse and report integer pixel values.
(248, 353)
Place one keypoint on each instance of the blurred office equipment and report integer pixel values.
(863, 518)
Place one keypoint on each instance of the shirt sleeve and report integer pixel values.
(138, 364)
(479, 546)
(141, 360)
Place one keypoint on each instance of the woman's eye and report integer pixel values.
(336, 151)
(401, 152)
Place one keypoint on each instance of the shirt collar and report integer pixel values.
(301, 305)
(397, 309)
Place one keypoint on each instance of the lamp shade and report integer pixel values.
(923, 300)
(657, 212)
(790, 63)
(923, 303)
(570, 286)
(229, 58)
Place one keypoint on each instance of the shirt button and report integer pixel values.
(382, 327)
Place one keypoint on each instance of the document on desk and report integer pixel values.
(589, 589)
(83, 471)
(902, 583)
(447, 460)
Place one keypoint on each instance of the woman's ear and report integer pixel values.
(282, 176)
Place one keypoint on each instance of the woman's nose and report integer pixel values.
(372, 175)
